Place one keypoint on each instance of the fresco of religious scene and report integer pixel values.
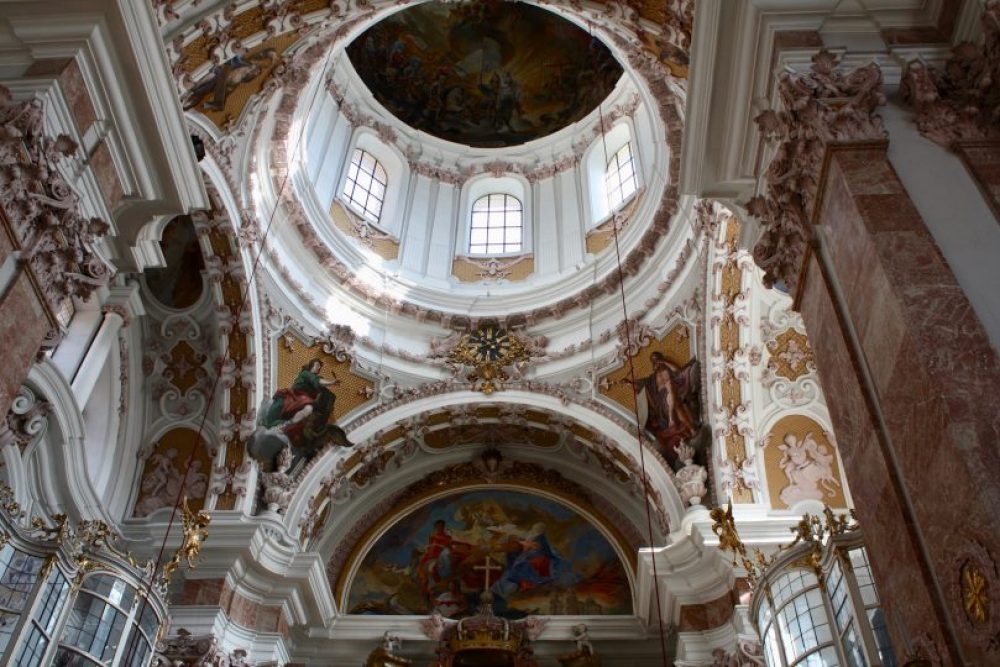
(666, 393)
(535, 555)
(486, 74)
(298, 417)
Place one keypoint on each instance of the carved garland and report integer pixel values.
(46, 227)
(821, 107)
(732, 413)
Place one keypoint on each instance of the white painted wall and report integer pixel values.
(955, 211)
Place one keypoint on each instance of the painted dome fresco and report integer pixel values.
(488, 75)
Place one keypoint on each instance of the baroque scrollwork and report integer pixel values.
(53, 239)
(820, 107)
(961, 101)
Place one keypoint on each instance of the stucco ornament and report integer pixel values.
(54, 240)
(690, 479)
(808, 465)
(961, 101)
(820, 107)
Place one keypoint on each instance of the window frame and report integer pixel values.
(633, 180)
(349, 200)
(472, 191)
(490, 215)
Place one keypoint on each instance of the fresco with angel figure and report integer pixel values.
(534, 554)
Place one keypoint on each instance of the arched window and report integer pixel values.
(497, 225)
(364, 188)
(620, 181)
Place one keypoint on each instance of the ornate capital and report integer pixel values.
(961, 102)
(820, 107)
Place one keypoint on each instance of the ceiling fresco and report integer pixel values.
(486, 74)
(543, 558)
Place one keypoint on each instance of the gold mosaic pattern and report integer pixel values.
(384, 246)
(352, 390)
(470, 270)
(799, 426)
(675, 346)
(731, 283)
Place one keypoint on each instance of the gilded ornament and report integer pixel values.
(488, 352)
(195, 527)
(975, 594)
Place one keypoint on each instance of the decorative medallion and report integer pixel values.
(489, 353)
(975, 593)
(791, 356)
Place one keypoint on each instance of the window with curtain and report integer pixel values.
(364, 188)
(497, 225)
(620, 181)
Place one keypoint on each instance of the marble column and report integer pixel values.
(912, 382)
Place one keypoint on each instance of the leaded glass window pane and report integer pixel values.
(497, 225)
(619, 178)
(365, 186)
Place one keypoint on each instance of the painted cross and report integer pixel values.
(487, 567)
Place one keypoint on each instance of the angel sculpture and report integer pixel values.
(195, 527)
(808, 465)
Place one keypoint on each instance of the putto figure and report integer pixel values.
(808, 465)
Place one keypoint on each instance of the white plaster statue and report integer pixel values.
(582, 639)
(808, 465)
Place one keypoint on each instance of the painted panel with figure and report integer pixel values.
(665, 392)
(486, 74)
(314, 388)
(534, 554)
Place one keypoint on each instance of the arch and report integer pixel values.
(618, 433)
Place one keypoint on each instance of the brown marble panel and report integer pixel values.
(107, 176)
(896, 567)
(982, 159)
(24, 323)
(200, 592)
(77, 96)
(699, 617)
(938, 390)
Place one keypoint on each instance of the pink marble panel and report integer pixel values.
(937, 379)
(23, 325)
(107, 176)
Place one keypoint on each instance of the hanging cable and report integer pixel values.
(244, 300)
(635, 403)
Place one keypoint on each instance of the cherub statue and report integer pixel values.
(195, 527)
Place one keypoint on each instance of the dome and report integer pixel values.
(486, 74)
